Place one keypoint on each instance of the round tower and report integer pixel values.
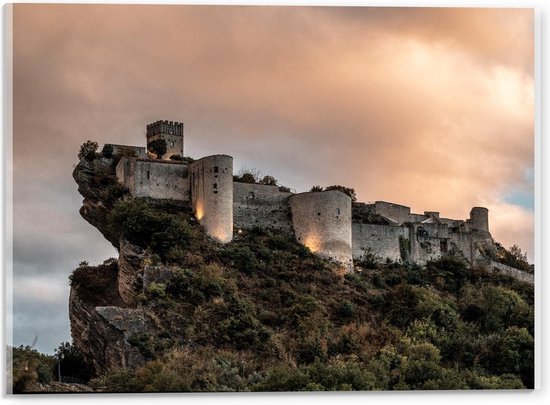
(212, 195)
(322, 223)
(479, 218)
(171, 132)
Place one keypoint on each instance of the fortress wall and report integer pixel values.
(416, 218)
(359, 208)
(451, 222)
(125, 173)
(260, 205)
(513, 272)
(121, 149)
(383, 241)
(472, 245)
(174, 144)
(397, 213)
(212, 195)
(428, 242)
(322, 222)
(162, 179)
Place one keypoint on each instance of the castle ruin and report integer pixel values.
(326, 222)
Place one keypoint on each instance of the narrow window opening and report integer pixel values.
(148, 174)
(215, 169)
(338, 211)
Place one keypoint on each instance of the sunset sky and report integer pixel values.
(429, 108)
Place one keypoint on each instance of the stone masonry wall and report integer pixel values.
(383, 241)
(260, 205)
(322, 222)
(513, 272)
(212, 195)
(162, 179)
(428, 242)
(395, 212)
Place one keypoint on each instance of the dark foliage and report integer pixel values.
(158, 147)
(88, 150)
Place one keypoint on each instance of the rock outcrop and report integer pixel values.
(92, 179)
(106, 325)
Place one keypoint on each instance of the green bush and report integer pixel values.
(88, 150)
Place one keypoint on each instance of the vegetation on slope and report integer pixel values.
(263, 313)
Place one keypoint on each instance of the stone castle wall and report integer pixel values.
(322, 222)
(154, 178)
(428, 242)
(395, 212)
(382, 241)
(162, 179)
(137, 151)
(212, 195)
(261, 205)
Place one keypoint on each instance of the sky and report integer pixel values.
(429, 108)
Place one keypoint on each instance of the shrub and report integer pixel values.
(158, 147)
(156, 290)
(88, 150)
(178, 158)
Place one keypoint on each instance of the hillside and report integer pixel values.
(178, 311)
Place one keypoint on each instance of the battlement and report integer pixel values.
(165, 127)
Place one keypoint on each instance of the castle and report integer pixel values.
(327, 222)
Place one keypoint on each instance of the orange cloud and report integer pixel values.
(432, 108)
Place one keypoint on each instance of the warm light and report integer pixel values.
(312, 243)
(220, 234)
(240, 231)
(199, 212)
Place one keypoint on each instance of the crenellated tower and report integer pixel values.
(171, 132)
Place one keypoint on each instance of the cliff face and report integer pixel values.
(93, 178)
(105, 325)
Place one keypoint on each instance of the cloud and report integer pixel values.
(431, 108)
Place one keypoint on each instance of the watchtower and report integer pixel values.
(171, 132)
(479, 218)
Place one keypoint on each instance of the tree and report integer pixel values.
(158, 147)
(346, 190)
(246, 175)
(88, 150)
(518, 258)
(176, 157)
(316, 189)
(71, 363)
(269, 180)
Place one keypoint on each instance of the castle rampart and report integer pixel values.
(322, 223)
(212, 195)
(154, 178)
(136, 151)
(428, 241)
(383, 242)
(261, 205)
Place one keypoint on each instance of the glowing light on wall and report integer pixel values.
(313, 243)
(221, 234)
(199, 211)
